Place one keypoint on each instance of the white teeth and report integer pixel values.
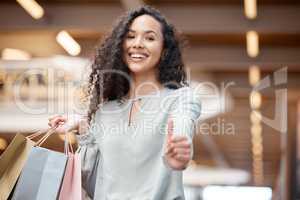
(137, 55)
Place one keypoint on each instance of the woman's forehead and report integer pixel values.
(145, 23)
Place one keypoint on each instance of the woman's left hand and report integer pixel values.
(178, 149)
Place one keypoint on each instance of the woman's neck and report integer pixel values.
(143, 85)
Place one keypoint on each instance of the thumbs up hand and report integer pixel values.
(178, 149)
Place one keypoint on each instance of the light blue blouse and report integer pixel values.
(125, 161)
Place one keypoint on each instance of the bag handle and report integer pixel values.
(68, 148)
(45, 137)
(37, 133)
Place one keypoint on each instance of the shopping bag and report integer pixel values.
(12, 161)
(71, 186)
(42, 175)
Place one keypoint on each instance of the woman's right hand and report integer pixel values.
(66, 124)
(60, 122)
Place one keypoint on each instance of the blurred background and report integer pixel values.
(244, 54)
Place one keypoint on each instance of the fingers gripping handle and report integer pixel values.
(67, 144)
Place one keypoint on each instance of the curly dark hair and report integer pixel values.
(106, 86)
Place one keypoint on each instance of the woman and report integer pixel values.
(138, 88)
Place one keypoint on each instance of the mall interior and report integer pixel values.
(244, 54)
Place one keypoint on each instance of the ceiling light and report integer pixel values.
(254, 75)
(32, 7)
(255, 100)
(255, 117)
(250, 8)
(14, 54)
(252, 43)
(68, 43)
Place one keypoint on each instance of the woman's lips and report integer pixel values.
(136, 57)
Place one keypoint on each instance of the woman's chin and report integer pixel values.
(137, 69)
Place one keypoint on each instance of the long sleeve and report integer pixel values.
(90, 159)
(185, 112)
(185, 109)
(118, 157)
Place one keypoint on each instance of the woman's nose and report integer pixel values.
(138, 43)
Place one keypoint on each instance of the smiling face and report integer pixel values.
(143, 45)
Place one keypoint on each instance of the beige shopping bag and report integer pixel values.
(12, 161)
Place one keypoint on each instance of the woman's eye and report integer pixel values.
(130, 36)
(150, 38)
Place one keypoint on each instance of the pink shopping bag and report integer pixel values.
(71, 186)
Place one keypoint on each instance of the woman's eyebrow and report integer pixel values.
(148, 31)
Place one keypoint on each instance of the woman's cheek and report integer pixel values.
(155, 54)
